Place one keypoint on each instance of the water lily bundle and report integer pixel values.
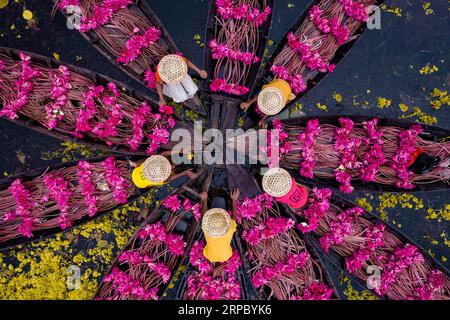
(281, 267)
(143, 270)
(61, 197)
(212, 282)
(311, 48)
(364, 244)
(236, 43)
(130, 38)
(68, 103)
(364, 151)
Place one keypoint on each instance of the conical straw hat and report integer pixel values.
(277, 182)
(216, 223)
(172, 68)
(156, 169)
(271, 101)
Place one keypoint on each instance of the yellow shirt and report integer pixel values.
(281, 85)
(139, 180)
(219, 249)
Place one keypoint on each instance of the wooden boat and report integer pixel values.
(252, 73)
(312, 239)
(95, 79)
(28, 176)
(430, 133)
(311, 78)
(239, 177)
(136, 69)
(137, 15)
(186, 226)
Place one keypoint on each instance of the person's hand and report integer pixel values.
(235, 194)
(203, 74)
(245, 105)
(162, 102)
(262, 124)
(191, 174)
(204, 196)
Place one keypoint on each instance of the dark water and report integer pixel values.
(382, 63)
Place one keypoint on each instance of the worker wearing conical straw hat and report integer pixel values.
(279, 184)
(156, 171)
(173, 80)
(271, 100)
(218, 228)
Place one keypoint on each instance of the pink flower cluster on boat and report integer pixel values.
(400, 260)
(340, 228)
(316, 291)
(126, 286)
(115, 180)
(226, 10)
(59, 95)
(150, 79)
(401, 159)
(308, 139)
(225, 286)
(276, 140)
(355, 10)
(157, 232)
(250, 208)
(436, 281)
(268, 229)
(230, 88)
(90, 109)
(374, 158)
(59, 192)
(108, 128)
(173, 204)
(347, 146)
(220, 51)
(135, 258)
(102, 14)
(24, 205)
(281, 269)
(134, 46)
(23, 86)
(339, 32)
(310, 58)
(319, 204)
(88, 188)
(140, 119)
(296, 82)
(374, 239)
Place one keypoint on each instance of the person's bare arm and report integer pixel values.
(204, 201)
(234, 198)
(165, 153)
(263, 122)
(188, 173)
(201, 73)
(159, 89)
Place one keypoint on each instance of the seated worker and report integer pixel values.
(271, 100)
(279, 184)
(218, 228)
(156, 171)
(173, 80)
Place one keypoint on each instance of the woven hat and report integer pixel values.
(156, 169)
(271, 101)
(216, 223)
(172, 68)
(277, 182)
